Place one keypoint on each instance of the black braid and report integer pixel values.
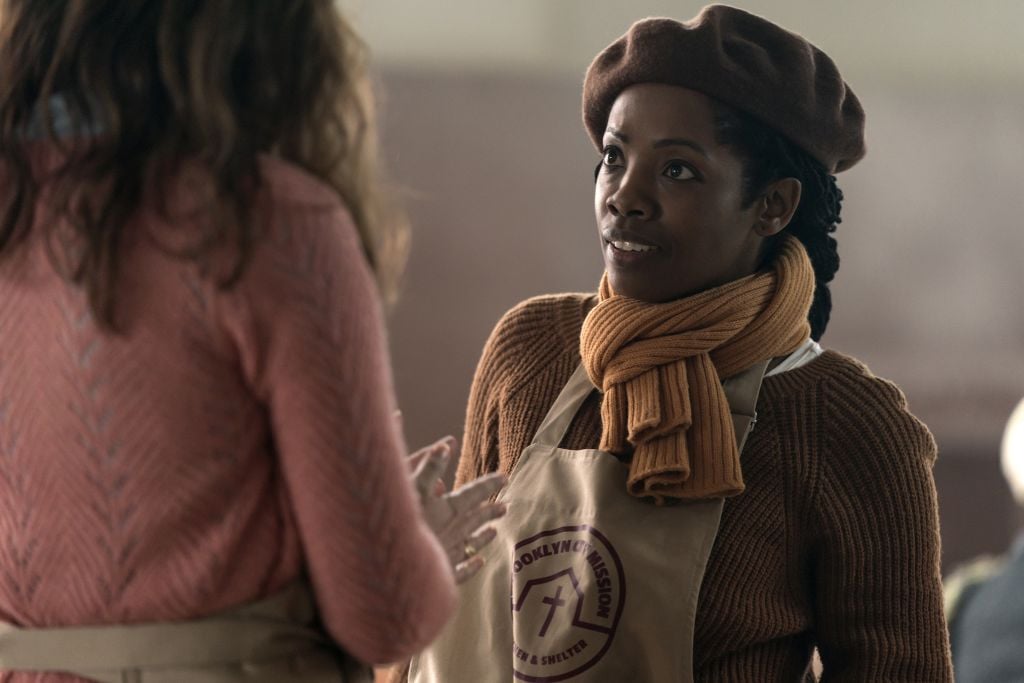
(768, 156)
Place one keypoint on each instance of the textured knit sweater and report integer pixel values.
(833, 544)
(225, 444)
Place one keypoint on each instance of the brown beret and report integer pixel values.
(741, 60)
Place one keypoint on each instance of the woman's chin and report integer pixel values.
(647, 289)
(635, 288)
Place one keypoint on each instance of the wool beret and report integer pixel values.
(744, 61)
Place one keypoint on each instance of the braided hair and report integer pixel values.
(767, 157)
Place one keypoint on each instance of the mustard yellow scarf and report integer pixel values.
(661, 368)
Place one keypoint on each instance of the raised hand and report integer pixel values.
(457, 518)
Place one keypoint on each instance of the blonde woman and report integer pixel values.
(200, 474)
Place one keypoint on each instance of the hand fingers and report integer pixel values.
(481, 539)
(477, 491)
(470, 521)
(415, 460)
(419, 456)
(418, 460)
(430, 469)
(468, 569)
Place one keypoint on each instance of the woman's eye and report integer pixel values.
(679, 171)
(612, 157)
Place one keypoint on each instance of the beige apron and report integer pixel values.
(270, 641)
(584, 582)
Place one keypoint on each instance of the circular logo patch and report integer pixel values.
(568, 591)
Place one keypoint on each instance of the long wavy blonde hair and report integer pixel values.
(165, 81)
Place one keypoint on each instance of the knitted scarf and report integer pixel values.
(660, 367)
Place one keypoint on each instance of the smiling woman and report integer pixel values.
(669, 198)
(621, 416)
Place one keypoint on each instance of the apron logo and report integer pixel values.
(568, 590)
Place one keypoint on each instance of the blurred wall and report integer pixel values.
(480, 119)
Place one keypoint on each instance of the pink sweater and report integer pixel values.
(231, 441)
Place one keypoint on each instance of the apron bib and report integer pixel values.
(269, 641)
(584, 582)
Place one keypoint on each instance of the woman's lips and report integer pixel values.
(623, 253)
(624, 245)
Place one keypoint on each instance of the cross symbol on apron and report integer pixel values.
(555, 601)
(683, 535)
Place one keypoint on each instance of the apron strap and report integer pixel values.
(210, 642)
(741, 391)
(280, 626)
(556, 423)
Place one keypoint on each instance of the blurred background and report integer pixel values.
(480, 119)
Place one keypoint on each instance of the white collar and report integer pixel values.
(807, 352)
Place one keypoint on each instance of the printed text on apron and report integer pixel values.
(584, 581)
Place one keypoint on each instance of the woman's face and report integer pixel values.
(668, 198)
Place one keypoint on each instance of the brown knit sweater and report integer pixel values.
(835, 541)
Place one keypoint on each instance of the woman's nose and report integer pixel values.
(631, 200)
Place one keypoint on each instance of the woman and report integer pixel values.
(196, 412)
(638, 544)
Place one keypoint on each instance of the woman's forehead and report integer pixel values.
(656, 110)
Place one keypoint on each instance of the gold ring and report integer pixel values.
(470, 550)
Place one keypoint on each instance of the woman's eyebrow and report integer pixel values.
(665, 142)
(621, 137)
(681, 142)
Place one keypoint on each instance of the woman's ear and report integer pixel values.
(778, 204)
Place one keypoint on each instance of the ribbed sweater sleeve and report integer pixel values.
(480, 437)
(878, 589)
(536, 336)
(307, 323)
